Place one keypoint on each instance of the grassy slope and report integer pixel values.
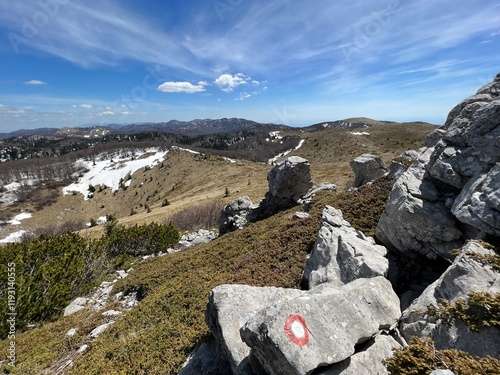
(156, 336)
(331, 150)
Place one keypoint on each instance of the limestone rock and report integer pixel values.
(479, 202)
(320, 327)
(465, 275)
(367, 168)
(367, 361)
(452, 193)
(195, 238)
(416, 218)
(300, 215)
(324, 186)
(234, 216)
(341, 254)
(290, 180)
(96, 332)
(229, 308)
(76, 305)
(442, 372)
(205, 360)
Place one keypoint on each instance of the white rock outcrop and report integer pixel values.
(453, 192)
(342, 254)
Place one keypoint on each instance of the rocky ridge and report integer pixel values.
(350, 318)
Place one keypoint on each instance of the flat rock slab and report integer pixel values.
(322, 326)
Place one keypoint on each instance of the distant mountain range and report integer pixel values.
(189, 128)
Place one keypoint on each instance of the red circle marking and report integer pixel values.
(296, 330)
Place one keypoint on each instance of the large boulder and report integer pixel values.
(452, 193)
(341, 254)
(289, 180)
(367, 168)
(465, 275)
(229, 308)
(234, 215)
(323, 326)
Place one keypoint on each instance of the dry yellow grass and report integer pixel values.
(188, 179)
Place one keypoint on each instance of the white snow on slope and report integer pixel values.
(360, 133)
(16, 220)
(273, 160)
(110, 172)
(13, 237)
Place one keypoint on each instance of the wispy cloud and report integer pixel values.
(34, 82)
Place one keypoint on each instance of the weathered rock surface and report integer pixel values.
(452, 193)
(324, 186)
(195, 238)
(479, 202)
(465, 275)
(341, 254)
(288, 182)
(320, 327)
(442, 372)
(206, 360)
(229, 308)
(368, 361)
(367, 168)
(234, 216)
(76, 305)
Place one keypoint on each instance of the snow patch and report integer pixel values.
(110, 172)
(229, 160)
(16, 220)
(273, 160)
(359, 133)
(13, 237)
(186, 149)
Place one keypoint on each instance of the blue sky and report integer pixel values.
(74, 62)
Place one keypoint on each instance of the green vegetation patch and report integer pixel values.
(363, 208)
(158, 334)
(421, 358)
(478, 310)
(47, 273)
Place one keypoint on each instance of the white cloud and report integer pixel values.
(182, 87)
(86, 106)
(35, 82)
(106, 113)
(227, 82)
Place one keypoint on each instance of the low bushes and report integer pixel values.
(421, 358)
(51, 270)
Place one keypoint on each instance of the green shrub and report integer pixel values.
(421, 358)
(364, 207)
(49, 272)
(478, 310)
